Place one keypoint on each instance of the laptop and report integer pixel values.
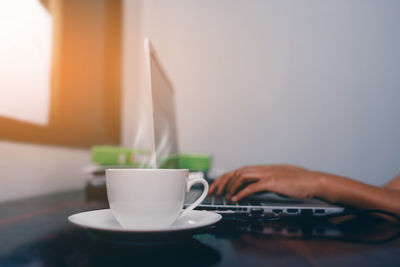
(165, 151)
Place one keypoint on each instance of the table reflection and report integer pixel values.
(76, 247)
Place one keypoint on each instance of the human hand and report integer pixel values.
(288, 180)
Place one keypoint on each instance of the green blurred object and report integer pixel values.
(111, 155)
(195, 162)
(114, 156)
(170, 162)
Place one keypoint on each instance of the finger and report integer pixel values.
(244, 178)
(233, 179)
(248, 190)
(214, 185)
(223, 182)
(247, 169)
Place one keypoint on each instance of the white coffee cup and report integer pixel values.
(150, 198)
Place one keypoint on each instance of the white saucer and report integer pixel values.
(103, 220)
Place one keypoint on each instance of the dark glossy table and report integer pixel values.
(35, 232)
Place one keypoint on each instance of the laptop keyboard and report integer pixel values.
(256, 206)
(221, 200)
(214, 200)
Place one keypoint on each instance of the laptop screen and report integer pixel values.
(165, 144)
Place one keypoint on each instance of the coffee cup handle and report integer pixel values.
(189, 185)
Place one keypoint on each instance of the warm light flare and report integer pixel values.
(25, 56)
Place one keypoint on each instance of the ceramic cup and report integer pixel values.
(150, 198)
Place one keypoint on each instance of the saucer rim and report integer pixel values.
(218, 217)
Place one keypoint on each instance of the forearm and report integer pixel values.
(341, 190)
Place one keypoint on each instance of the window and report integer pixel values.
(60, 71)
(25, 50)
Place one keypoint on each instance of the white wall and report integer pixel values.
(313, 83)
(30, 170)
